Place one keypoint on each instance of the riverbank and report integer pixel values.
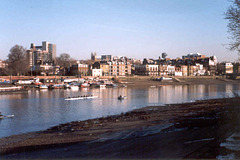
(189, 130)
(147, 81)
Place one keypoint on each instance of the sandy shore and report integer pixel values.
(189, 130)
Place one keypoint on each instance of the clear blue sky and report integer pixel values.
(133, 28)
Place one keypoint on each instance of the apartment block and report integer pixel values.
(39, 55)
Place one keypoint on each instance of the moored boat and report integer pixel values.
(102, 86)
(84, 85)
(43, 86)
(57, 86)
(74, 87)
(13, 89)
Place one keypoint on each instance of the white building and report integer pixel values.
(97, 72)
(170, 70)
(151, 69)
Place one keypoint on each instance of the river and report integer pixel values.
(40, 109)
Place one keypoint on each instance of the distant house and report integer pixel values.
(79, 69)
(225, 68)
(97, 72)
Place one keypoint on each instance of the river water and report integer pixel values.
(41, 109)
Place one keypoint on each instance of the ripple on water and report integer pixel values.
(232, 142)
(229, 156)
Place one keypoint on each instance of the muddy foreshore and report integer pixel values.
(188, 130)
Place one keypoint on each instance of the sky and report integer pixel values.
(133, 28)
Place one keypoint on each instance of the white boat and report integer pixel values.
(166, 79)
(84, 85)
(74, 87)
(80, 98)
(66, 86)
(43, 87)
(6, 116)
(15, 88)
(102, 85)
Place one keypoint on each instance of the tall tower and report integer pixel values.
(93, 56)
(45, 46)
(52, 51)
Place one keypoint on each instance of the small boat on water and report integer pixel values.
(111, 85)
(66, 86)
(81, 97)
(74, 87)
(122, 97)
(5, 116)
(102, 85)
(43, 86)
(85, 85)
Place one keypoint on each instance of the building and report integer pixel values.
(3, 64)
(225, 68)
(79, 69)
(93, 56)
(178, 71)
(97, 72)
(106, 58)
(37, 55)
(170, 70)
(193, 56)
(41, 58)
(104, 66)
(151, 69)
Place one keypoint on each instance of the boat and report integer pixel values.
(66, 86)
(43, 86)
(81, 97)
(153, 86)
(74, 87)
(166, 78)
(56, 86)
(122, 97)
(111, 85)
(84, 85)
(5, 116)
(15, 89)
(102, 86)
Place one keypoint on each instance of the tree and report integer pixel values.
(17, 60)
(233, 16)
(65, 61)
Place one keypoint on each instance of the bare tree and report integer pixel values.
(233, 16)
(17, 60)
(65, 61)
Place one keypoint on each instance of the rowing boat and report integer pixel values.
(6, 116)
(80, 98)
